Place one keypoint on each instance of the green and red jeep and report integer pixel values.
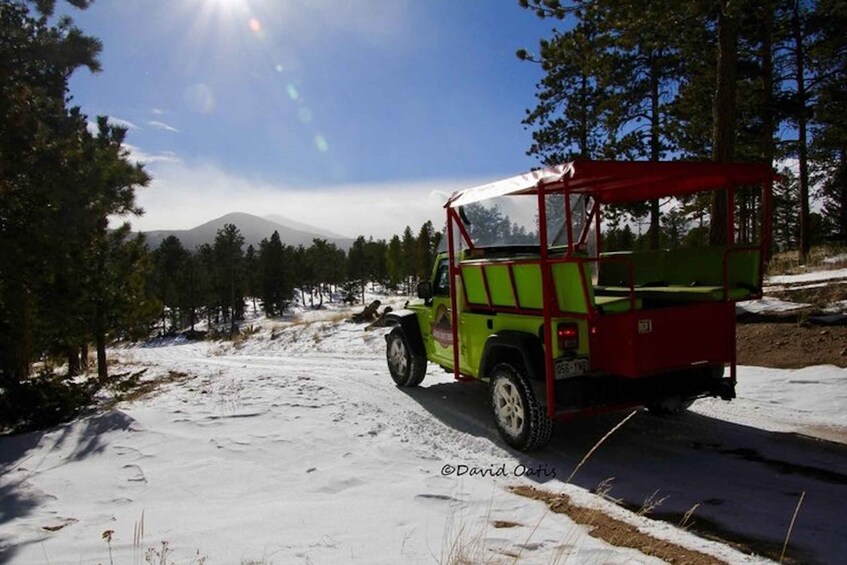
(527, 301)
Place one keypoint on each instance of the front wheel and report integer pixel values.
(406, 367)
(521, 420)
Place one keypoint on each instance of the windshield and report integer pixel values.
(513, 220)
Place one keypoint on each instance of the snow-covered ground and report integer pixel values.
(814, 276)
(767, 305)
(295, 446)
(835, 259)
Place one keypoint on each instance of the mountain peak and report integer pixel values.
(253, 228)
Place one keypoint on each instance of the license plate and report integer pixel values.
(566, 368)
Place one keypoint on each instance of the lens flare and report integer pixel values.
(199, 98)
(255, 25)
(321, 143)
(292, 92)
(305, 115)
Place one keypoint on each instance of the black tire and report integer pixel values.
(521, 420)
(406, 367)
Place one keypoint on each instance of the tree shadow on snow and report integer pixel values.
(24, 456)
(745, 481)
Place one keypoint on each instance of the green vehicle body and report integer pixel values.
(476, 329)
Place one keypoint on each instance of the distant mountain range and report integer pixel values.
(253, 228)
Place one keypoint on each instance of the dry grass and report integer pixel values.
(819, 296)
(130, 387)
(244, 334)
(331, 317)
(788, 262)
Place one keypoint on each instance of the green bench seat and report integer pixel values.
(527, 290)
(680, 275)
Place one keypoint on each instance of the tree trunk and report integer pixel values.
(72, 354)
(802, 122)
(768, 118)
(723, 114)
(655, 146)
(102, 369)
(83, 357)
(24, 344)
(842, 192)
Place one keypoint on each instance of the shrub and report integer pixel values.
(42, 401)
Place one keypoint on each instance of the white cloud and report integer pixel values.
(122, 123)
(162, 125)
(184, 195)
(137, 154)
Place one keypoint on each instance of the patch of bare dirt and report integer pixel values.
(791, 345)
(617, 532)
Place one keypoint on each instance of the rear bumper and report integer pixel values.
(586, 393)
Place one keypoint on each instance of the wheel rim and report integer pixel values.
(508, 407)
(397, 356)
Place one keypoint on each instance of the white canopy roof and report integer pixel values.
(513, 185)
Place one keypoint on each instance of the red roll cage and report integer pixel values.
(605, 182)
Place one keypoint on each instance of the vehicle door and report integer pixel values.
(440, 323)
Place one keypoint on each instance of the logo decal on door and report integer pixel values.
(442, 327)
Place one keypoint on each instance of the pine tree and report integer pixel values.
(674, 228)
(568, 120)
(376, 252)
(229, 272)
(38, 136)
(358, 265)
(251, 275)
(193, 289)
(122, 305)
(410, 258)
(631, 80)
(275, 282)
(170, 260)
(426, 250)
(786, 193)
(828, 61)
(394, 262)
(639, 68)
(326, 260)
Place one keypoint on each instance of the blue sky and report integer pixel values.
(353, 115)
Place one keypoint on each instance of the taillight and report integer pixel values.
(568, 335)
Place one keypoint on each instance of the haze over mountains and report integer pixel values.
(253, 228)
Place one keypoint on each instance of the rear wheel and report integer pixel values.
(521, 420)
(407, 368)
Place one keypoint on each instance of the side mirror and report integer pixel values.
(425, 290)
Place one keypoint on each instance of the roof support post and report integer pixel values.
(454, 276)
(547, 293)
